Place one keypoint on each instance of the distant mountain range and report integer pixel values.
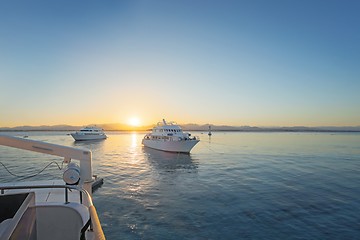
(188, 127)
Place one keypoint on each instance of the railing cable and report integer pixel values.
(34, 175)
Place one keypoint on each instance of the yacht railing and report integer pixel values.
(68, 153)
(66, 193)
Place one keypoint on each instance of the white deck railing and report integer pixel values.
(68, 153)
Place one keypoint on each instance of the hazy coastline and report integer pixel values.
(188, 127)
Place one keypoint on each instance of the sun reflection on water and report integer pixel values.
(134, 140)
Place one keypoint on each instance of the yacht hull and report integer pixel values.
(84, 137)
(183, 146)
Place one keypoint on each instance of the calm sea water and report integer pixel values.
(233, 185)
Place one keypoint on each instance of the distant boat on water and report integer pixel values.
(89, 133)
(169, 137)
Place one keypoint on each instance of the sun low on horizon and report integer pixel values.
(134, 121)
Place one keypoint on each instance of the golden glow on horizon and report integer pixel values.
(134, 121)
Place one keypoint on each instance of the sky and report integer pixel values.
(245, 62)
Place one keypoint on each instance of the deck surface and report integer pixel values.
(45, 195)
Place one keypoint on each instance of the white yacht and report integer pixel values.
(169, 137)
(53, 209)
(89, 133)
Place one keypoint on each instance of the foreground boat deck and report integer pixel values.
(44, 195)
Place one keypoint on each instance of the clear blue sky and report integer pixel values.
(260, 63)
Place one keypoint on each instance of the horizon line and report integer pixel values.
(198, 124)
(187, 127)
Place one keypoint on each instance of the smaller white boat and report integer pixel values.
(169, 137)
(89, 133)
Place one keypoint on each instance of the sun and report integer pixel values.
(134, 121)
